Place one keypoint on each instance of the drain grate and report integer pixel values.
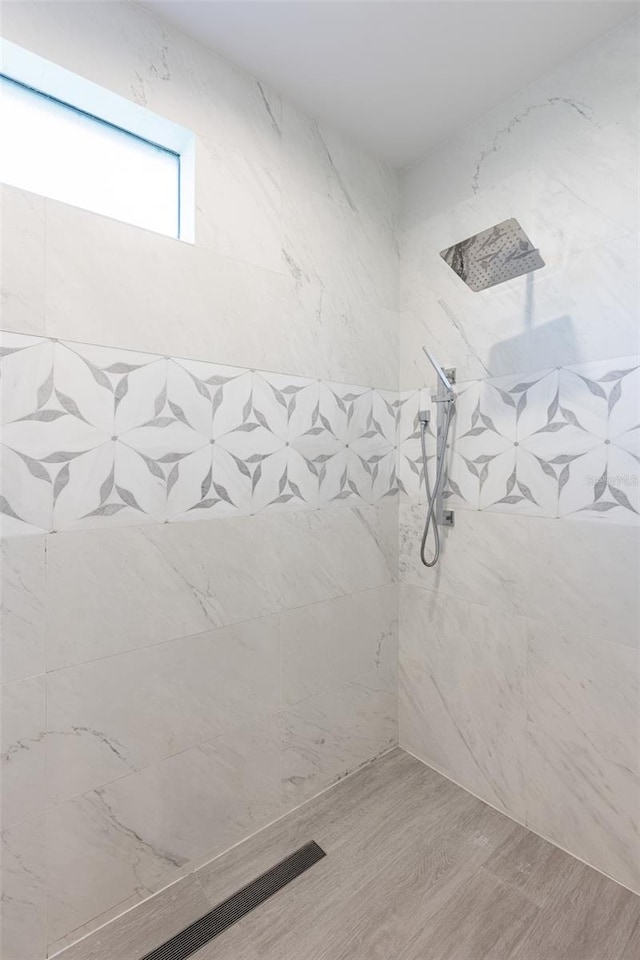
(201, 931)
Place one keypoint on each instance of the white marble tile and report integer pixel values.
(23, 749)
(301, 323)
(484, 557)
(583, 577)
(93, 863)
(549, 570)
(238, 205)
(22, 271)
(584, 138)
(584, 691)
(329, 643)
(130, 587)
(319, 159)
(461, 699)
(245, 771)
(471, 165)
(585, 803)
(133, 836)
(123, 713)
(562, 157)
(23, 881)
(333, 733)
(114, 590)
(350, 252)
(354, 343)
(22, 616)
(181, 286)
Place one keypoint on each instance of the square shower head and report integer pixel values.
(497, 254)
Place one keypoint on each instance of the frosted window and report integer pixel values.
(54, 150)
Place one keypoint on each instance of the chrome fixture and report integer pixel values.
(493, 256)
(444, 399)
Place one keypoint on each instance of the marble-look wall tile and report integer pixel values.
(336, 731)
(553, 571)
(192, 690)
(585, 802)
(562, 157)
(335, 641)
(239, 203)
(23, 749)
(158, 747)
(201, 801)
(587, 122)
(23, 883)
(585, 692)
(573, 588)
(351, 252)
(247, 160)
(546, 434)
(264, 319)
(462, 693)
(22, 613)
(125, 588)
(484, 557)
(22, 268)
(318, 159)
(584, 578)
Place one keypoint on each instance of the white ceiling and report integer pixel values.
(399, 77)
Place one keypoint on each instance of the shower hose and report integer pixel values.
(432, 498)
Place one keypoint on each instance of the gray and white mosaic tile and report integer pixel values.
(561, 442)
(93, 436)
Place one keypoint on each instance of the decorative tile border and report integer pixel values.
(95, 436)
(561, 442)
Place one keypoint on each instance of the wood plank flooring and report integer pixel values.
(416, 869)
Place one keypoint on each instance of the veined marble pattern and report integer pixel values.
(561, 442)
(96, 436)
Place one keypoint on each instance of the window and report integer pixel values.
(66, 138)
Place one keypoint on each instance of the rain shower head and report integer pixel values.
(493, 256)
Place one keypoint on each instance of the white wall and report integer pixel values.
(519, 666)
(170, 688)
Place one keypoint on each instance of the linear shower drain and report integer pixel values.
(201, 931)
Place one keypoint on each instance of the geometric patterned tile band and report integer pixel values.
(557, 443)
(94, 436)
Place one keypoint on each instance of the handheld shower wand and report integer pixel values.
(447, 397)
(442, 377)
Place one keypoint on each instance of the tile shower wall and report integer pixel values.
(563, 442)
(94, 436)
(170, 687)
(519, 665)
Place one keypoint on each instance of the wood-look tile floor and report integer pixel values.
(416, 869)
